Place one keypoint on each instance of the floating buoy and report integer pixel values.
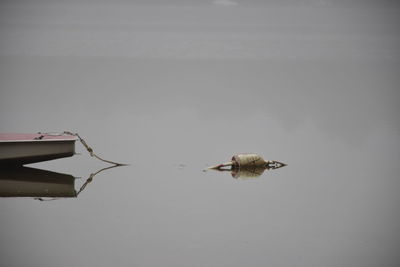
(246, 166)
(249, 161)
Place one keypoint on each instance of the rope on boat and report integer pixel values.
(90, 150)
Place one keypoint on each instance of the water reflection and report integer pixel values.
(248, 172)
(40, 184)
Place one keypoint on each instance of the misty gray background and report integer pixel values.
(173, 86)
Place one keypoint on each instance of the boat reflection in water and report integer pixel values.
(40, 184)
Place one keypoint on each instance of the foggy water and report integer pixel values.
(173, 88)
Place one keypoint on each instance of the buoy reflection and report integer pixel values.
(248, 172)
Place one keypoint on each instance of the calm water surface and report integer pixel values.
(317, 93)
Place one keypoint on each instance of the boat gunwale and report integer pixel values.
(39, 140)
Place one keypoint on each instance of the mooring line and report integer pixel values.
(90, 150)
